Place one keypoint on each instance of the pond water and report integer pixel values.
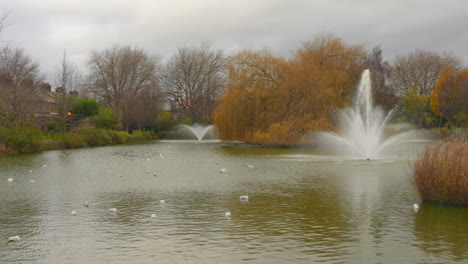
(305, 206)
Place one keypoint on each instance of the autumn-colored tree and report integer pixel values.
(450, 96)
(245, 107)
(272, 101)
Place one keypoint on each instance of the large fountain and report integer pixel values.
(363, 125)
(198, 130)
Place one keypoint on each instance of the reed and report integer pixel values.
(440, 173)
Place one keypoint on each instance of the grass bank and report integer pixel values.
(26, 139)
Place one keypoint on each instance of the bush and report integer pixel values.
(119, 137)
(22, 139)
(52, 126)
(86, 108)
(95, 136)
(440, 173)
(105, 119)
(141, 135)
(74, 140)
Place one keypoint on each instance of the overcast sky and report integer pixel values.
(45, 28)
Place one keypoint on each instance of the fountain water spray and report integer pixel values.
(363, 124)
(198, 130)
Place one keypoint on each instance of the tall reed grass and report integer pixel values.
(440, 173)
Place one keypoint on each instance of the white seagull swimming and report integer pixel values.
(14, 238)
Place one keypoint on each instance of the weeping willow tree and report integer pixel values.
(273, 101)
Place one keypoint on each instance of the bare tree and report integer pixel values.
(421, 70)
(67, 79)
(118, 74)
(20, 84)
(3, 21)
(194, 78)
(67, 76)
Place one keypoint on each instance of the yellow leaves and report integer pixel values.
(272, 101)
(450, 93)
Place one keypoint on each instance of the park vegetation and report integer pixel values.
(251, 95)
(440, 173)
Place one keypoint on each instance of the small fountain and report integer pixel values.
(364, 124)
(198, 130)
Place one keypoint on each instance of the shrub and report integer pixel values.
(105, 119)
(440, 173)
(74, 140)
(52, 126)
(141, 135)
(86, 108)
(22, 139)
(95, 136)
(119, 137)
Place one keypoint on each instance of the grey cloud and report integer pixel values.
(46, 28)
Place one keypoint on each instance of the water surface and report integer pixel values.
(305, 206)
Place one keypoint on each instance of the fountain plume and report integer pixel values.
(363, 124)
(198, 130)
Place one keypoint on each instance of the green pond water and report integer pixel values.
(305, 206)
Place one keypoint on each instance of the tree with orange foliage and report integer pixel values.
(448, 100)
(272, 101)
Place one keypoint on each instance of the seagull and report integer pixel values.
(162, 202)
(250, 166)
(30, 171)
(223, 170)
(153, 216)
(227, 214)
(44, 166)
(14, 238)
(86, 203)
(112, 210)
(32, 181)
(244, 198)
(161, 156)
(10, 179)
(415, 207)
(148, 159)
(73, 212)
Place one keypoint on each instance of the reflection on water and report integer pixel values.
(304, 206)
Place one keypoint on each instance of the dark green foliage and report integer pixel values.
(85, 108)
(22, 139)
